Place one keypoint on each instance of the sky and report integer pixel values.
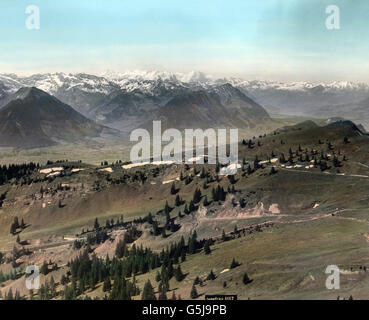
(284, 40)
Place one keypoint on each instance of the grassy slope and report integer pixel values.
(285, 261)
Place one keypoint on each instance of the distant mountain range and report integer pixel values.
(90, 94)
(355, 111)
(70, 107)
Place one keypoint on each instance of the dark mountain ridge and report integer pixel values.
(37, 119)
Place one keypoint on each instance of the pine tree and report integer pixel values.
(202, 174)
(167, 218)
(173, 189)
(207, 249)
(158, 277)
(9, 296)
(191, 207)
(16, 222)
(282, 159)
(234, 264)
(205, 203)
(96, 224)
(194, 293)
(52, 287)
(204, 185)
(169, 272)
(166, 208)
(177, 201)
(13, 229)
(149, 218)
(120, 248)
(245, 279)
(107, 284)
(44, 268)
(178, 274)
(224, 237)
(163, 233)
(197, 196)
(211, 276)
(174, 297)
(63, 280)
(107, 224)
(217, 167)
(162, 295)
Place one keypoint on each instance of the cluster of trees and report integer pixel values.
(163, 277)
(47, 290)
(12, 275)
(320, 157)
(16, 225)
(118, 162)
(10, 296)
(86, 272)
(218, 194)
(16, 171)
(45, 267)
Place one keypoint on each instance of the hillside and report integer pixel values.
(283, 225)
(35, 119)
(223, 106)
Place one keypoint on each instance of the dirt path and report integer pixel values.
(326, 173)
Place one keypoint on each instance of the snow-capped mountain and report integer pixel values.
(294, 86)
(89, 93)
(52, 82)
(145, 81)
(142, 75)
(300, 98)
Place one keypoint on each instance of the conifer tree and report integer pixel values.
(245, 279)
(205, 203)
(191, 207)
(158, 277)
(107, 284)
(211, 276)
(173, 189)
(207, 249)
(194, 293)
(234, 264)
(96, 224)
(177, 201)
(178, 273)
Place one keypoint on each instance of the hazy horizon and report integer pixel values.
(149, 75)
(275, 40)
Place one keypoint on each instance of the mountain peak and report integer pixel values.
(36, 119)
(30, 92)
